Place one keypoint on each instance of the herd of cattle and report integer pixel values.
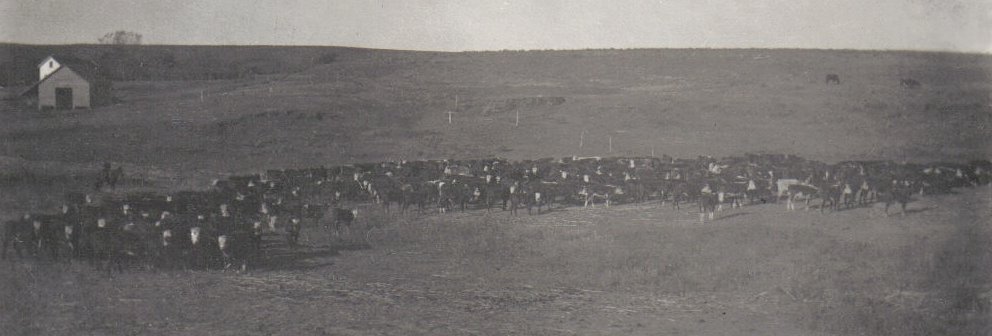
(224, 227)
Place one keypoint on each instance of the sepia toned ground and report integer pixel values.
(633, 269)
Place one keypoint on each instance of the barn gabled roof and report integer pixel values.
(88, 69)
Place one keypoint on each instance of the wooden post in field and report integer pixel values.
(652, 151)
(517, 123)
(456, 109)
(201, 96)
(611, 144)
(582, 136)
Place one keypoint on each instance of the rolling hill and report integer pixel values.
(369, 105)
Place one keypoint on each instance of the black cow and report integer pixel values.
(909, 83)
(115, 247)
(342, 218)
(237, 250)
(707, 205)
(833, 79)
(899, 192)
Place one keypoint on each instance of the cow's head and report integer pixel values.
(168, 199)
(101, 223)
(222, 242)
(272, 223)
(166, 237)
(65, 209)
(194, 235)
(68, 229)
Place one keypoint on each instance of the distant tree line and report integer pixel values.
(121, 37)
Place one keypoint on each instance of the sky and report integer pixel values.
(442, 25)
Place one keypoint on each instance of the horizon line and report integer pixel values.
(942, 51)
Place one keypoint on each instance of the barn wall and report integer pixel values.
(64, 78)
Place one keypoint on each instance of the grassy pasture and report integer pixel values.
(636, 269)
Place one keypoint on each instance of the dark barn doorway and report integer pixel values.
(63, 98)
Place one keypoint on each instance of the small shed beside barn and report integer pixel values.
(69, 83)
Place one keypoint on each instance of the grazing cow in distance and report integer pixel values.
(833, 79)
(909, 83)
